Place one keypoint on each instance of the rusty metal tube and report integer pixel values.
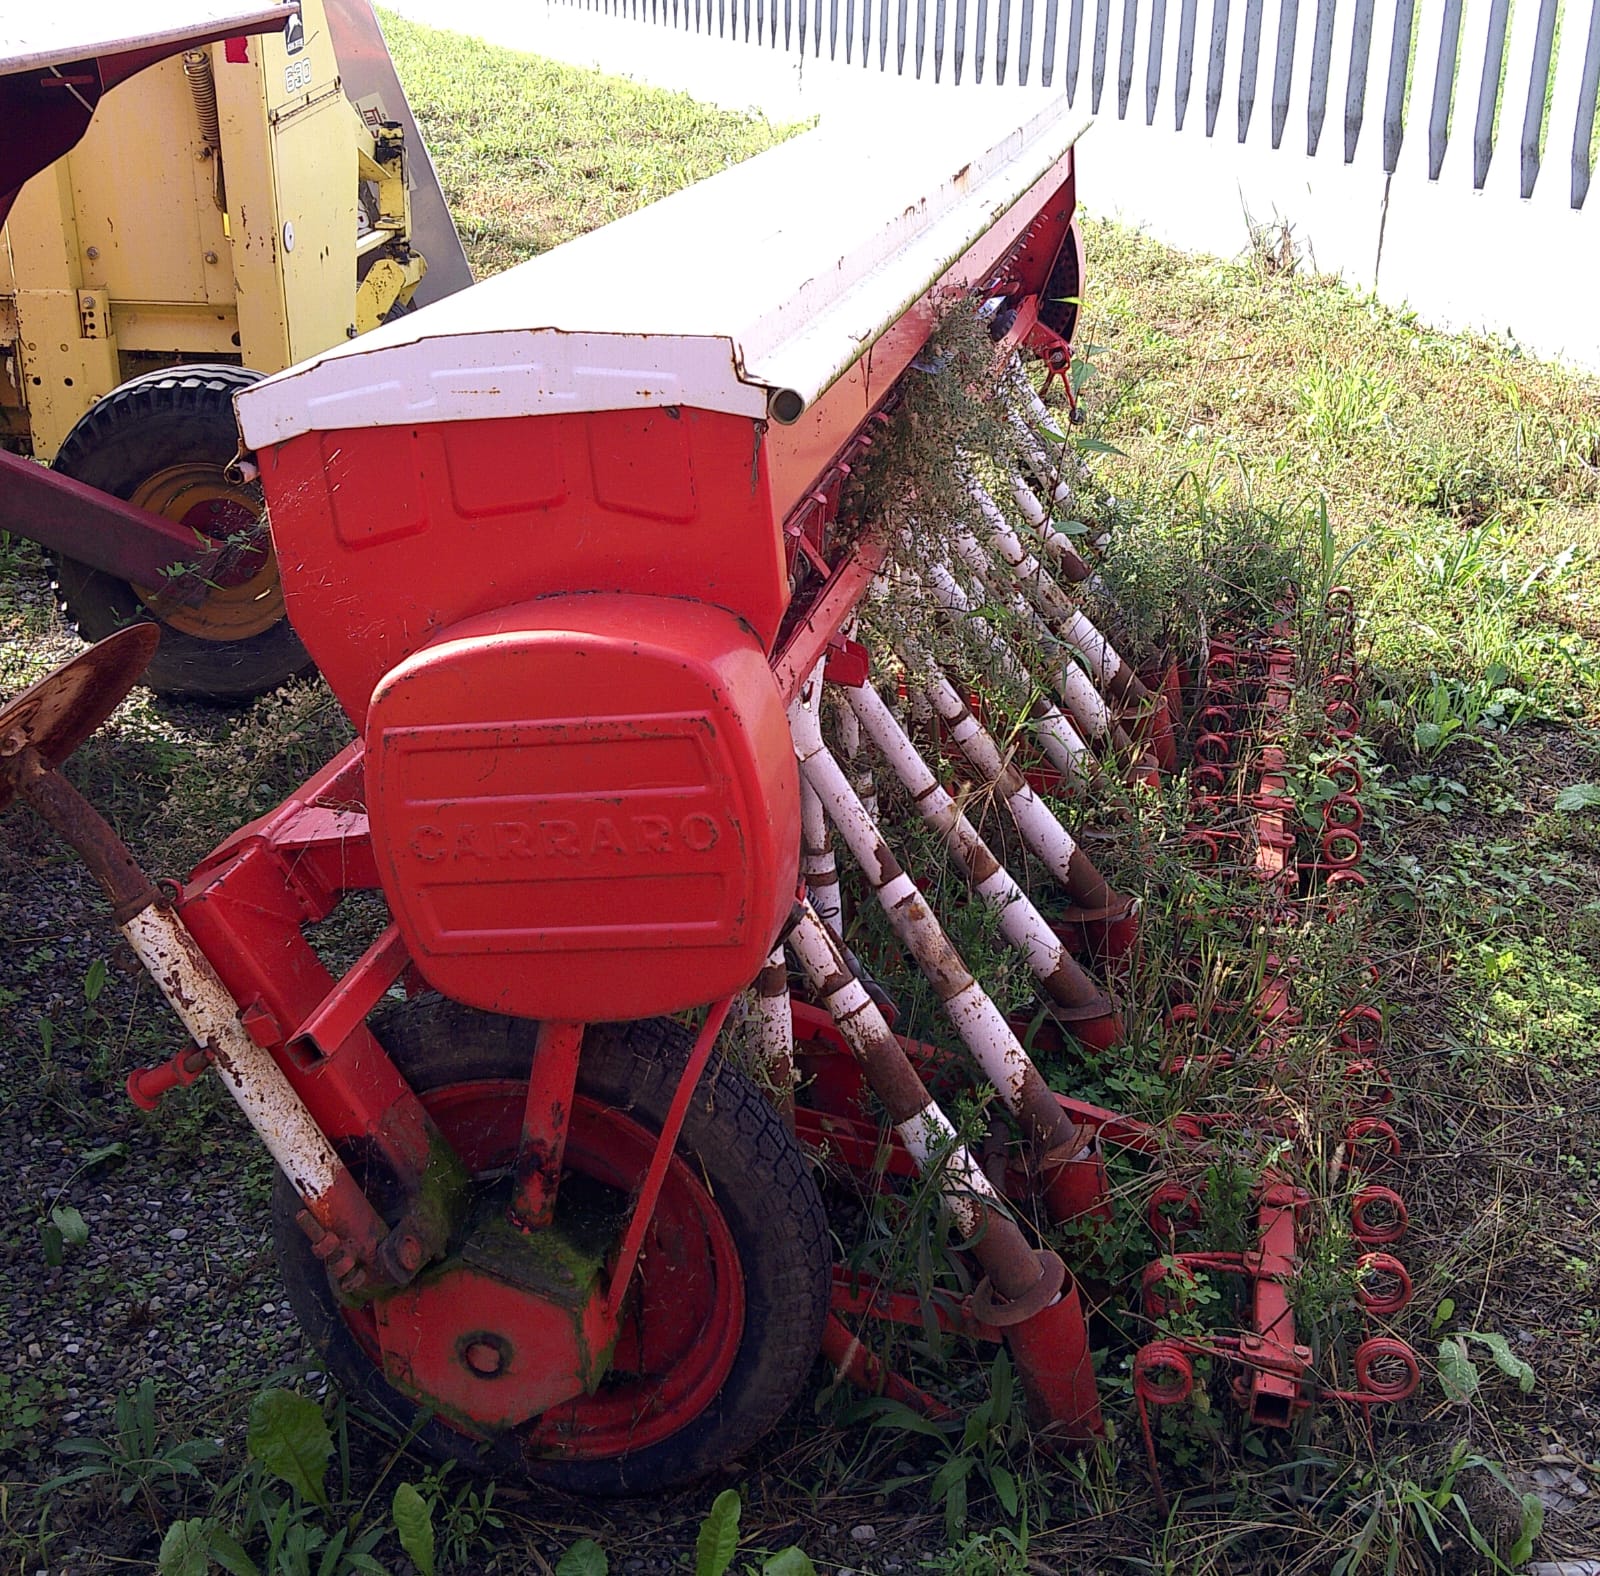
(922, 1127)
(1074, 687)
(1021, 923)
(856, 762)
(184, 975)
(1058, 737)
(191, 986)
(1050, 471)
(775, 1030)
(982, 1026)
(1026, 1291)
(1038, 825)
(1071, 623)
(818, 867)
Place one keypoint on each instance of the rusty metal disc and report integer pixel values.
(56, 714)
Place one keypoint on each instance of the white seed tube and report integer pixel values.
(1020, 922)
(817, 864)
(981, 1024)
(923, 1128)
(775, 1026)
(1039, 826)
(186, 978)
(1060, 740)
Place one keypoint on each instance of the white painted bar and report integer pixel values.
(928, 1135)
(184, 974)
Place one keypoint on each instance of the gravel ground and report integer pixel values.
(175, 1280)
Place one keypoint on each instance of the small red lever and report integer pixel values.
(146, 1085)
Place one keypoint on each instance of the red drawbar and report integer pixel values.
(586, 807)
(387, 536)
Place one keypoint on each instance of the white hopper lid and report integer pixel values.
(777, 274)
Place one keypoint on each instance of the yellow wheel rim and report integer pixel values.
(244, 596)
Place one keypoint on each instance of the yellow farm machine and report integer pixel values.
(233, 207)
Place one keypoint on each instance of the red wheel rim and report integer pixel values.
(684, 1317)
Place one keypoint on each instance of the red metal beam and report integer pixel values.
(804, 648)
(79, 521)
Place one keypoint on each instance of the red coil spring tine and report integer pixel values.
(1375, 1140)
(1372, 1233)
(1162, 1376)
(1348, 882)
(1353, 817)
(1342, 714)
(1376, 1387)
(1214, 747)
(1340, 602)
(1344, 774)
(1354, 879)
(1207, 777)
(1216, 719)
(1360, 1027)
(1340, 685)
(1155, 1301)
(1207, 842)
(1379, 1303)
(1187, 1210)
(1188, 1127)
(1380, 1085)
(1332, 859)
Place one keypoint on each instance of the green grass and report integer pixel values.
(1462, 478)
(551, 151)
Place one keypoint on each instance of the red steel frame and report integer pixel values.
(249, 902)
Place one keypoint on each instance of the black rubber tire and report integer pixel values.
(177, 415)
(749, 1163)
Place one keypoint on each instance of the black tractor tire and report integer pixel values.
(750, 1168)
(177, 424)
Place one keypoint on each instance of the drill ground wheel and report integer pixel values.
(163, 441)
(1059, 300)
(725, 1313)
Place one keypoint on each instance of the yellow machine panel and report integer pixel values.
(214, 211)
(154, 248)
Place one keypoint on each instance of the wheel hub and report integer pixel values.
(499, 1338)
(244, 596)
(515, 1324)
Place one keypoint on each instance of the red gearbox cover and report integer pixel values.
(585, 807)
